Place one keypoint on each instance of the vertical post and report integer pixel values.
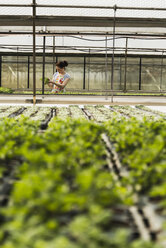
(56, 62)
(34, 52)
(125, 76)
(120, 74)
(17, 71)
(161, 78)
(53, 54)
(113, 52)
(28, 72)
(0, 71)
(106, 68)
(89, 70)
(84, 73)
(43, 76)
(140, 72)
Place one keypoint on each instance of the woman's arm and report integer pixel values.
(65, 82)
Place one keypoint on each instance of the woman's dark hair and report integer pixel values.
(62, 64)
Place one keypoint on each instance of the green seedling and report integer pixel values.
(46, 80)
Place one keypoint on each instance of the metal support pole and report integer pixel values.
(53, 54)
(28, 72)
(34, 52)
(125, 76)
(120, 74)
(84, 73)
(113, 52)
(161, 78)
(0, 71)
(140, 72)
(106, 69)
(43, 76)
(17, 71)
(89, 70)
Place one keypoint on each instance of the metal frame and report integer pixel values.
(83, 21)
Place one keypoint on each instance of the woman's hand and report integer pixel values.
(50, 83)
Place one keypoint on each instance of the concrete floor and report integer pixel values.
(73, 99)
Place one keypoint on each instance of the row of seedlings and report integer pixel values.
(11, 111)
(29, 112)
(155, 112)
(63, 113)
(144, 221)
(95, 114)
(77, 112)
(35, 113)
(4, 108)
(101, 113)
(109, 112)
(134, 112)
(73, 111)
(84, 112)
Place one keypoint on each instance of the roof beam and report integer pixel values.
(80, 21)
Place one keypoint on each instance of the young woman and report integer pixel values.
(60, 78)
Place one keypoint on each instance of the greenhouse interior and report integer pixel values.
(82, 124)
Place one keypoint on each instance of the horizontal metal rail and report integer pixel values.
(88, 33)
(82, 48)
(115, 7)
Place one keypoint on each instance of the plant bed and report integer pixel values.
(64, 190)
(4, 90)
(44, 123)
(18, 112)
(65, 194)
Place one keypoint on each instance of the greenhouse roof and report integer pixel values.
(131, 18)
(129, 13)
